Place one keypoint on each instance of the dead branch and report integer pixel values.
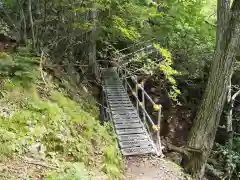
(182, 150)
(235, 95)
(171, 147)
(41, 164)
(206, 20)
(37, 163)
(214, 25)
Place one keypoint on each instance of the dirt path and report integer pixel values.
(153, 168)
(137, 168)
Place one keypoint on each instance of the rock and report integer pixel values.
(37, 150)
(6, 112)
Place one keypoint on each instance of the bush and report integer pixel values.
(17, 67)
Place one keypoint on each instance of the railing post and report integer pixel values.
(106, 113)
(118, 72)
(125, 79)
(136, 91)
(143, 101)
(158, 132)
(142, 54)
(122, 76)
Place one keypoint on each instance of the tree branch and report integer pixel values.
(182, 150)
(214, 25)
(235, 95)
(206, 20)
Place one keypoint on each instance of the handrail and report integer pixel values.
(139, 50)
(148, 116)
(156, 127)
(135, 44)
(145, 93)
(125, 74)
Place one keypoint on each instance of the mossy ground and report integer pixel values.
(66, 132)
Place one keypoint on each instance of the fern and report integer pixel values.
(19, 68)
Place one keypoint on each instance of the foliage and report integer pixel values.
(4, 29)
(179, 25)
(169, 72)
(227, 159)
(62, 31)
(19, 67)
(73, 171)
(184, 29)
(59, 124)
(8, 142)
(112, 159)
(160, 64)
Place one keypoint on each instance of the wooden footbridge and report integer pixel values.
(135, 129)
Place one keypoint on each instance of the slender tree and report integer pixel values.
(205, 125)
(92, 43)
(31, 22)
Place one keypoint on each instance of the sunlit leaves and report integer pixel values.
(168, 71)
(128, 32)
(4, 28)
(85, 26)
(185, 31)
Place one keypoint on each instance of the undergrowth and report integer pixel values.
(68, 130)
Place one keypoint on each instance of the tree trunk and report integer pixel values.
(228, 167)
(23, 25)
(223, 15)
(205, 125)
(31, 22)
(92, 45)
(229, 115)
(229, 127)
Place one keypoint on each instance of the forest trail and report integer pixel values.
(152, 168)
